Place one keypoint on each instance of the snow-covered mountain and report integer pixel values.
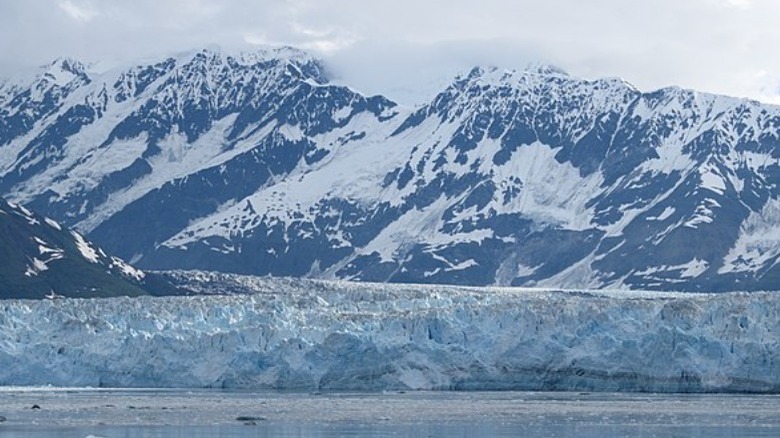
(41, 259)
(256, 163)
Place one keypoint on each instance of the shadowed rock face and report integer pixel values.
(289, 333)
(258, 164)
(41, 259)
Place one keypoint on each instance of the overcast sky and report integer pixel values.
(407, 48)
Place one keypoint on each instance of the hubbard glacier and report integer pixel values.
(279, 333)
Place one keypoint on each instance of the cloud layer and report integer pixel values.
(408, 48)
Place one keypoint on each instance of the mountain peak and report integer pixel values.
(545, 70)
(284, 56)
(497, 74)
(63, 70)
(285, 53)
(493, 75)
(254, 54)
(70, 65)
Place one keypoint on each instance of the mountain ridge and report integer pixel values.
(41, 259)
(527, 177)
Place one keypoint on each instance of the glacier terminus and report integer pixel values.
(324, 335)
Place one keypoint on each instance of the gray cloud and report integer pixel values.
(408, 48)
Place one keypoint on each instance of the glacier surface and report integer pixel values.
(319, 335)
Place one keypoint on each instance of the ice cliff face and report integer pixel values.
(257, 164)
(324, 335)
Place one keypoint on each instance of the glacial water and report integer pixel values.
(48, 412)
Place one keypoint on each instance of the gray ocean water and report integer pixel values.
(44, 412)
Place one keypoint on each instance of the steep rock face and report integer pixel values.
(41, 259)
(257, 164)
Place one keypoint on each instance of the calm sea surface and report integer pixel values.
(211, 413)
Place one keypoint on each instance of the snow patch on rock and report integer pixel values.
(86, 251)
(758, 244)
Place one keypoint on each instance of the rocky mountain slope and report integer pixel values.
(41, 259)
(256, 163)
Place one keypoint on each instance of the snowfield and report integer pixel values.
(308, 334)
